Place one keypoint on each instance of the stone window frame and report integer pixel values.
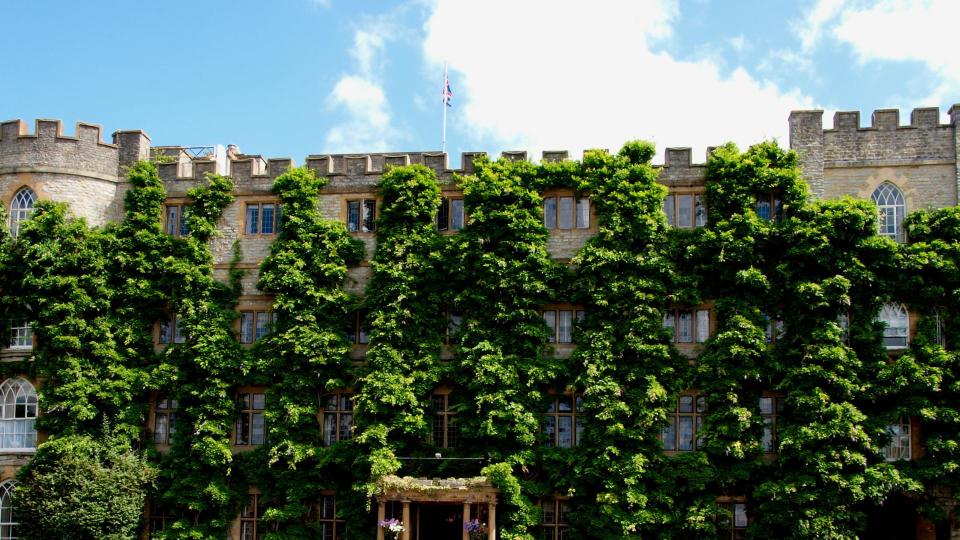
(357, 332)
(8, 509)
(574, 414)
(255, 313)
(773, 202)
(698, 409)
(275, 222)
(337, 414)
(174, 334)
(774, 416)
(554, 524)
(362, 198)
(21, 208)
(19, 410)
(329, 518)
(447, 429)
(248, 413)
(697, 336)
(734, 507)
(671, 207)
(576, 221)
(890, 198)
(162, 406)
(900, 446)
(21, 336)
(251, 524)
(892, 314)
(576, 314)
(180, 230)
(446, 214)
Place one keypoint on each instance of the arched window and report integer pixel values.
(18, 415)
(894, 316)
(8, 527)
(889, 202)
(20, 208)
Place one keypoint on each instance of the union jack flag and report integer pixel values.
(447, 92)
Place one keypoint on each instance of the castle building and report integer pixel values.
(901, 168)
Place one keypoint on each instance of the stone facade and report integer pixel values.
(88, 174)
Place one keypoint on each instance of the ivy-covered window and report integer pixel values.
(771, 409)
(774, 329)
(251, 526)
(175, 220)
(560, 323)
(19, 414)
(20, 209)
(941, 331)
(21, 336)
(331, 527)
(8, 522)
(736, 522)
(682, 432)
(356, 327)
(898, 449)
(896, 325)
(446, 432)
(159, 518)
(843, 320)
(164, 420)
(685, 210)
(563, 421)
(554, 519)
(450, 215)
(255, 324)
(337, 417)
(262, 218)
(687, 325)
(361, 215)
(454, 320)
(890, 205)
(566, 212)
(769, 207)
(171, 331)
(250, 429)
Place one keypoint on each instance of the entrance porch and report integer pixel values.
(437, 509)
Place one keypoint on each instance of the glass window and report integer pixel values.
(774, 329)
(443, 215)
(583, 213)
(250, 429)
(457, 218)
(685, 211)
(550, 318)
(899, 446)
(897, 326)
(550, 212)
(703, 325)
(255, 325)
(687, 325)
(172, 329)
(20, 209)
(164, 420)
(21, 336)
(176, 220)
(554, 521)
(770, 410)
(843, 320)
(735, 527)
(891, 209)
(565, 213)
(682, 432)
(262, 218)
(356, 328)
(8, 522)
(699, 211)
(331, 527)
(941, 332)
(19, 415)
(251, 527)
(446, 433)
(670, 209)
(337, 417)
(454, 320)
(763, 209)
(361, 215)
(159, 518)
(563, 422)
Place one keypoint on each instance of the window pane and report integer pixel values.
(253, 219)
(173, 220)
(703, 325)
(670, 210)
(166, 330)
(565, 213)
(329, 429)
(267, 217)
(550, 212)
(686, 433)
(699, 211)
(685, 326)
(160, 428)
(583, 213)
(353, 216)
(768, 434)
(685, 211)
(548, 508)
(246, 327)
(685, 404)
(456, 214)
(263, 324)
(346, 426)
(550, 317)
(443, 214)
(258, 401)
(669, 434)
(179, 333)
(565, 327)
(257, 430)
(670, 324)
(565, 404)
(739, 515)
(369, 215)
(565, 432)
(763, 209)
(550, 429)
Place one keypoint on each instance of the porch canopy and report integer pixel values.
(465, 491)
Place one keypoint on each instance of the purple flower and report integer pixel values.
(474, 526)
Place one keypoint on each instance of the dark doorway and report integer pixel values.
(439, 521)
(896, 519)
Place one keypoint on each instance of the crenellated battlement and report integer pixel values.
(47, 148)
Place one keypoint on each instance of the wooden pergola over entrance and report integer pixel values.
(465, 491)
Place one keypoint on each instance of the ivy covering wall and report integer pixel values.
(94, 296)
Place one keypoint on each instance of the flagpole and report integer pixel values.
(443, 103)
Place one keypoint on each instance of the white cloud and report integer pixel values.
(895, 30)
(552, 74)
(738, 43)
(367, 126)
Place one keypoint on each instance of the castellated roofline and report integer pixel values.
(13, 130)
(881, 119)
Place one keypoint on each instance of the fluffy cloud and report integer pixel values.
(895, 30)
(360, 98)
(553, 74)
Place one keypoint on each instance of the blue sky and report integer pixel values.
(291, 78)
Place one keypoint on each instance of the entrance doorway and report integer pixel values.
(437, 521)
